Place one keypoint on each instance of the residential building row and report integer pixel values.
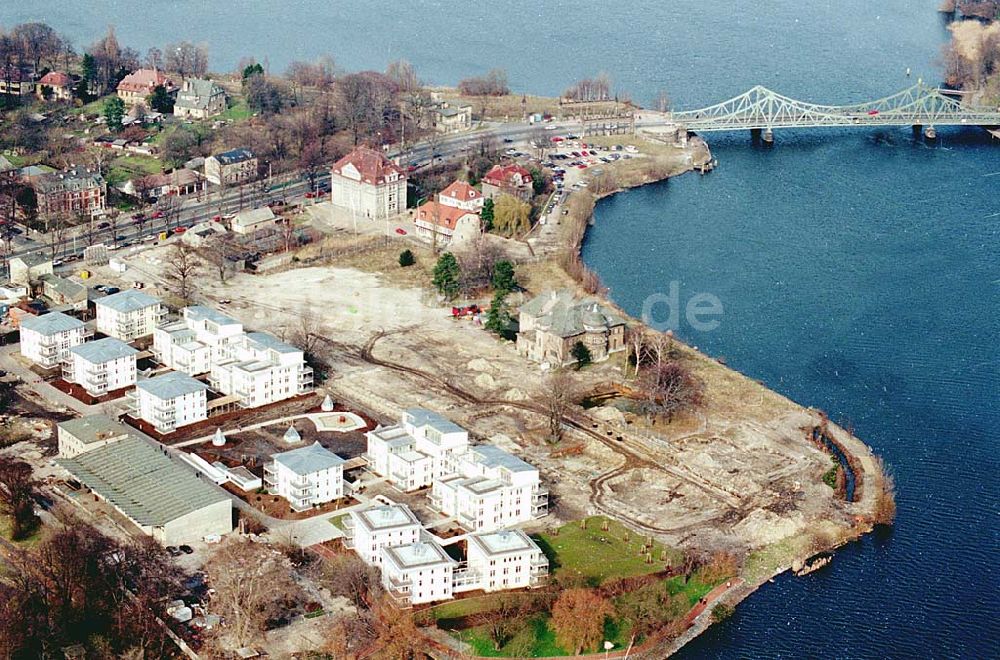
(484, 487)
(415, 567)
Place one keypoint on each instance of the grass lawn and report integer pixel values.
(126, 167)
(239, 111)
(338, 521)
(94, 107)
(599, 555)
(29, 542)
(537, 639)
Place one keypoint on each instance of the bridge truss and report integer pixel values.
(761, 108)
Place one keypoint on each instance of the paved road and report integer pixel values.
(11, 364)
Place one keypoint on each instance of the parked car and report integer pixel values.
(111, 290)
(186, 549)
(173, 551)
(104, 225)
(157, 215)
(180, 230)
(400, 231)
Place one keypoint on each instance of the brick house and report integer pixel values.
(553, 323)
(513, 180)
(74, 191)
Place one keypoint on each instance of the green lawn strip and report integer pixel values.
(94, 107)
(30, 542)
(599, 555)
(338, 521)
(238, 112)
(538, 639)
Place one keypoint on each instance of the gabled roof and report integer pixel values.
(508, 175)
(51, 323)
(251, 217)
(307, 460)
(64, 287)
(142, 481)
(128, 300)
(373, 166)
(103, 350)
(32, 259)
(440, 215)
(197, 93)
(461, 191)
(67, 180)
(171, 385)
(144, 80)
(56, 79)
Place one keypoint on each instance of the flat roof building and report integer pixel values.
(369, 530)
(76, 436)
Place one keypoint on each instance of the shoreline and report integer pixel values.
(869, 476)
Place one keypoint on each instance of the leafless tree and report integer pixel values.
(669, 388)
(56, 230)
(404, 75)
(186, 58)
(504, 615)
(182, 266)
(557, 397)
(635, 340)
(663, 101)
(218, 253)
(478, 261)
(366, 100)
(311, 161)
(252, 583)
(154, 58)
(353, 579)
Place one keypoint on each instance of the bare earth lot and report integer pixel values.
(739, 475)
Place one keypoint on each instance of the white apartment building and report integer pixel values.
(262, 369)
(101, 366)
(169, 401)
(488, 489)
(199, 339)
(420, 572)
(368, 184)
(369, 530)
(46, 339)
(507, 559)
(306, 476)
(128, 314)
(412, 454)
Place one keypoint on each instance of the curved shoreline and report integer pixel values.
(870, 479)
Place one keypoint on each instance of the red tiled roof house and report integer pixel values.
(366, 183)
(136, 86)
(461, 195)
(59, 84)
(511, 180)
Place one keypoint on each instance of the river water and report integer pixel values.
(857, 269)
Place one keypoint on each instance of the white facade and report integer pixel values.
(169, 401)
(368, 184)
(306, 476)
(507, 559)
(82, 434)
(490, 489)
(201, 338)
(420, 572)
(369, 530)
(413, 453)
(101, 366)
(46, 339)
(484, 487)
(128, 315)
(261, 369)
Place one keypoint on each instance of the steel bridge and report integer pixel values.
(760, 109)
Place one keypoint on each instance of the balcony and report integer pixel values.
(132, 403)
(301, 488)
(400, 598)
(299, 504)
(270, 475)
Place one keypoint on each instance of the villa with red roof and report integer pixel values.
(366, 183)
(136, 86)
(60, 84)
(461, 195)
(511, 180)
(448, 222)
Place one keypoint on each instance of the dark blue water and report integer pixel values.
(858, 269)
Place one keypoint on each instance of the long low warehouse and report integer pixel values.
(163, 497)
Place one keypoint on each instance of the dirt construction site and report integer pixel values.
(738, 474)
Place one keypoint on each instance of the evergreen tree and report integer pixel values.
(447, 276)
(89, 68)
(406, 258)
(114, 113)
(581, 354)
(487, 215)
(498, 319)
(160, 100)
(252, 70)
(504, 280)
